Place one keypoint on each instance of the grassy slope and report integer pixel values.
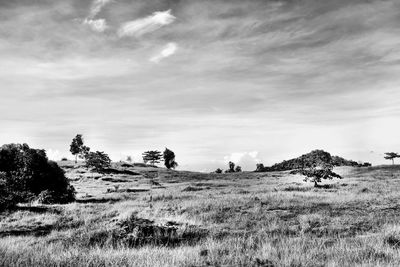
(250, 219)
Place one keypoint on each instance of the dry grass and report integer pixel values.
(247, 219)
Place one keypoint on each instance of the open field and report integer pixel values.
(197, 219)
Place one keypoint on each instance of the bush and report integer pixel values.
(26, 172)
(218, 170)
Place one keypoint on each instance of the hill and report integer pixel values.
(309, 158)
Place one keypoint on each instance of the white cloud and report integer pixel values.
(247, 160)
(53, 154)
(96, 7)
(145, 25)
(98, 25)
(168, 50)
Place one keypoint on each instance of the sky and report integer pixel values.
(249, 81)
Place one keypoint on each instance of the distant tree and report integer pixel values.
(169, 159)
(391, 156)
(152, 156)
(97, 160)
(317, 168)
(260, 167)
(231, 166)
(218, 170)
(129, 159)
(77, 147)
(238, 169)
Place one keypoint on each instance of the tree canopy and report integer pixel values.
(391, 156)
(77, 148)
(169, 159)
(152, 156)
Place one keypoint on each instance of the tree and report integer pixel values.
(26, 172)
(238, 169)
(231, 167)
(260, 167)
(97, 160)
(218, 170)
(391, 156)
(77, 148)
(169, 159)
(317, 168)
(152, 156)
(129, 159)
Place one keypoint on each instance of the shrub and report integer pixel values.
(218, 170)
(26, 172)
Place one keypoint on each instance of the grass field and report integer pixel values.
(197, 219)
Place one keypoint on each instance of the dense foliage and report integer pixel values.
(26, 172)
(169, 159)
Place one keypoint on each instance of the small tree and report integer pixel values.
(238, 169)
(218, 170)
(152, 156)
(169, 159)
(391, 156)
(97, 160)
(316, 169)
(77, 148)
(129, 159)
(260, 167)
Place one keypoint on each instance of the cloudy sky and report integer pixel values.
(243, 80)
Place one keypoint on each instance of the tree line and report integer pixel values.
(100, 160)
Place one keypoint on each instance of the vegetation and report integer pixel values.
(169, 159)
(25, 173)
(254, 219)
(306, 161)
(152, 156)
(391, 156)
(97, 160)
(77, 147)
(218, 170)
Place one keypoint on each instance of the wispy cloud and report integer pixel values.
(168, 50)
(98, 25)
(96, 7)
(148, 24)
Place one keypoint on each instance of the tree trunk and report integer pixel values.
(76, 158)
(316, 184)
